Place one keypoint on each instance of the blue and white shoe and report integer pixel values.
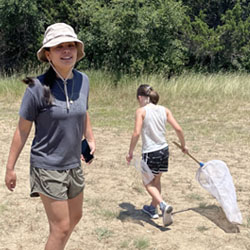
(167, 216)
(151, 211)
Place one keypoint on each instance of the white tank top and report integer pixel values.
(154, 128)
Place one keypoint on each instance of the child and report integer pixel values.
(150, 123)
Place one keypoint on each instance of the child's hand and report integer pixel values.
(129, 157)
(184, 150)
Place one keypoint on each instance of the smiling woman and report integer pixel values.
(57, 103)
(63, 56)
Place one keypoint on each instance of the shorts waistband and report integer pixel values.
(149, 153)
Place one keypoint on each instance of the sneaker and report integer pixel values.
(151, 211)
(167, 216)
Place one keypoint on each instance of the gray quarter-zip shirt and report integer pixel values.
(58, 130)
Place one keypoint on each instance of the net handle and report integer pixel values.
(179, 146)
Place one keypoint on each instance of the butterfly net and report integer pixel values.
(215, 177)
(143, 169)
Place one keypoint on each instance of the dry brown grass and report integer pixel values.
(112, 219)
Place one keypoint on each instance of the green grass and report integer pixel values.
(3, 207)
(125, 244)
(203, 205)
(103, 233)
(202, 229)
(202, 86)
(248, 222)
(138, 243)
(141, 243)
(107, 214)
(195, 196)
(93, 202)
(196, 100)
(11, 88)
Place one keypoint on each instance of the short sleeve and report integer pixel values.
(28, 109)
(85, 81)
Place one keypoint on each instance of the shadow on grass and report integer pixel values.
(216, 215)
(131, 214)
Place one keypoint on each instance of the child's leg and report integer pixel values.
(154, 189)
(157, 181)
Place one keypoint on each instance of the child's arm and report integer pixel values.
(139, 117)
(171, 120)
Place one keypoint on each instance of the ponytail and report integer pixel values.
(49, 79)
(146, 90)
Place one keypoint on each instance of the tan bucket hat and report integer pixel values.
(60, 33)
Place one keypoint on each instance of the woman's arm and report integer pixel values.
(88, 134)
(171, 120)
(139, 117)
(19, 139)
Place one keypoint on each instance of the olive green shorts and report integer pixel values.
(56, 184)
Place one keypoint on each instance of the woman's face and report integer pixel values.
(63, 56)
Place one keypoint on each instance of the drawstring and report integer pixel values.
(66, 94)
(145, 157)
(64, 83)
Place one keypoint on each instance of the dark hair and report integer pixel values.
(146, 90)
(49, 79)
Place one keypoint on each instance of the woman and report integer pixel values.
(56, 102)
(150, 122)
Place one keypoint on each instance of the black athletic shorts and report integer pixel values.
(157, 160)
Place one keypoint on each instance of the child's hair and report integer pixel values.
(49, 79)
(146, 90)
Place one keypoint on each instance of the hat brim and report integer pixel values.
(80, 47)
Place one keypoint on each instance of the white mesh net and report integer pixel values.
(215, 177)
(142, 167)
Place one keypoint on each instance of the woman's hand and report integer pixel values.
(92, 148)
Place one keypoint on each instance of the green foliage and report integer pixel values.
(213, 10)
(224, 47)
(132, 36)
(235, 40)
(53, 11)
(203, 44)
(19, 32)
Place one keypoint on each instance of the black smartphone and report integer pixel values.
(86, 151)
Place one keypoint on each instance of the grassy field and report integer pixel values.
(204, 104)
(213, 111)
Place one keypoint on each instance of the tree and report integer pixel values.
(19, 31)
(235, 40)
(219, 47)
(133, 36)
(212, 10)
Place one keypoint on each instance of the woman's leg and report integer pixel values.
(62, 217)
(154, 189)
